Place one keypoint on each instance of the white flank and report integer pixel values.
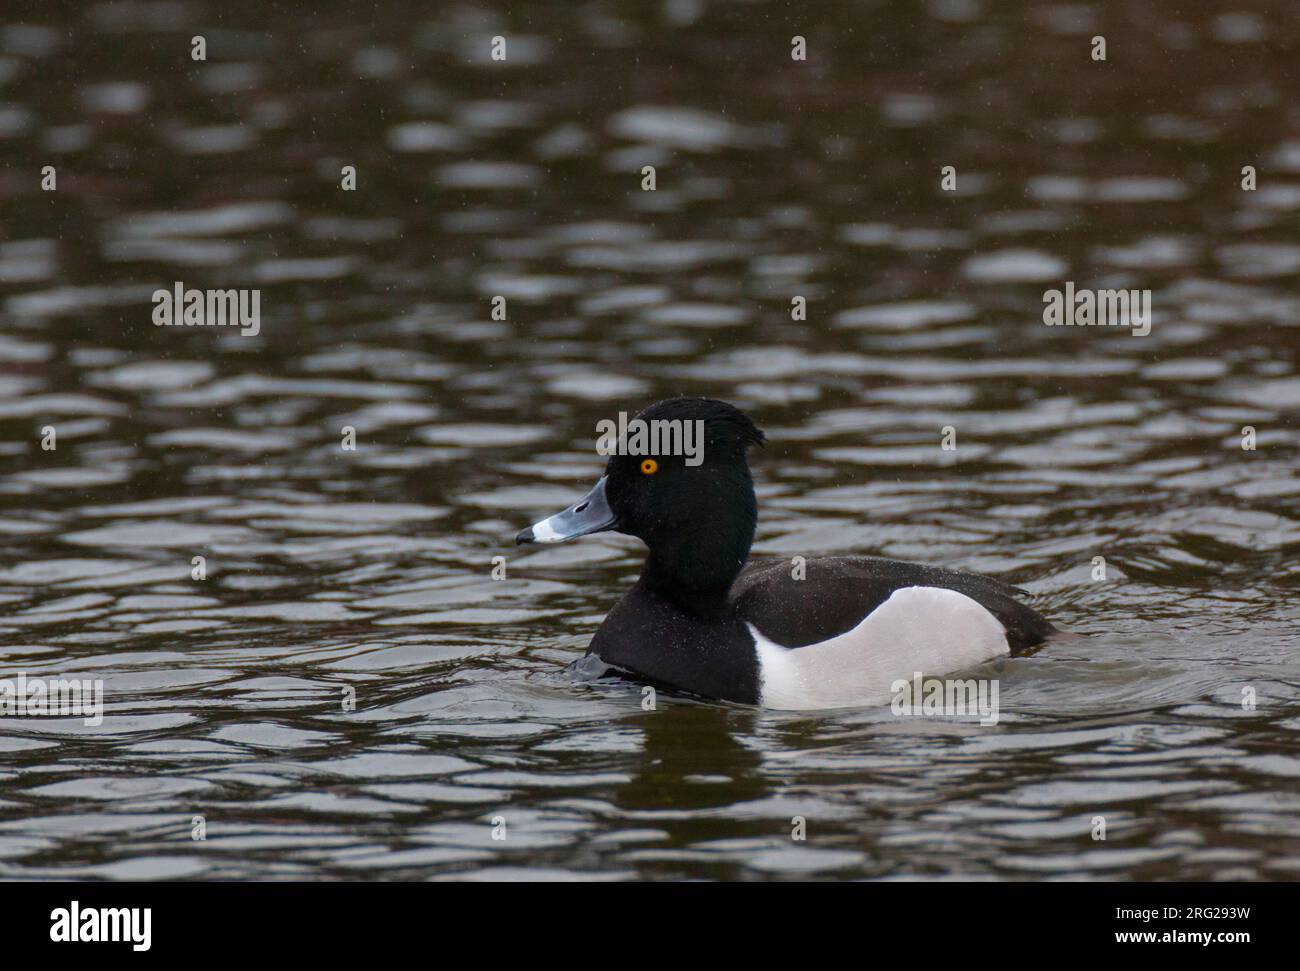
(926, 629)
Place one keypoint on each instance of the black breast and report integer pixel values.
(654, 641)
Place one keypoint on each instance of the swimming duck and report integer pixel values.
(836, 633)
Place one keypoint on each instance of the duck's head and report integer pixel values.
(691, 502)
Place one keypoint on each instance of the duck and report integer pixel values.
(814, 633)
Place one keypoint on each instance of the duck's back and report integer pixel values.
(834, 594)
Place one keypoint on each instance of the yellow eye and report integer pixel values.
(649, 467)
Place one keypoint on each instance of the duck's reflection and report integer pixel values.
(692, 757)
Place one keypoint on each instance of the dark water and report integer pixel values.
(369, 571)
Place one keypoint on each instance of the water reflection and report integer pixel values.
(366, 573)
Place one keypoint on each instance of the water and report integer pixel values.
(367, 573)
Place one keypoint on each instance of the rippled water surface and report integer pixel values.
(333, 571)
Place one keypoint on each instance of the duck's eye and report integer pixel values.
(649, 467)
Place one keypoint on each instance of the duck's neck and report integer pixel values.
(694, 575)
(705, 600)
(694, 562)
